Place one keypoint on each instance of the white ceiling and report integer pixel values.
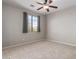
(26, 4)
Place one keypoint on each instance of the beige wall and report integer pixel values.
(13, 25)
(61, 26)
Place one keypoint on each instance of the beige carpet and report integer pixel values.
(40, 50)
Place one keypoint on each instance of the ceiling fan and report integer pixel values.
(46, 5)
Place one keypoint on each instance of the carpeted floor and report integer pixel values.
(41, 50)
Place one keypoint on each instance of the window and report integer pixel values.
(31, 23)
(35, 23)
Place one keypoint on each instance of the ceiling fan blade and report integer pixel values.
(50, 1)
(45, 1)
(47, 10)
(53, 6)
(39, 3)
(39, 8)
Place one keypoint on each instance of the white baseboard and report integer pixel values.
(65, 43)
(70, 44)
(23, 43)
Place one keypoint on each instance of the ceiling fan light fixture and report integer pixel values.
(46, 7)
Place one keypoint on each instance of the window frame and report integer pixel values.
(25, 17)
(32, 23)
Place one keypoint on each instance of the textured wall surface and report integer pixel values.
(61, 26)
(13, 25)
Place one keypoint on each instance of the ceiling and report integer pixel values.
(26, 4)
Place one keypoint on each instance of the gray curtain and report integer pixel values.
(25, 22)
(38, 23)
